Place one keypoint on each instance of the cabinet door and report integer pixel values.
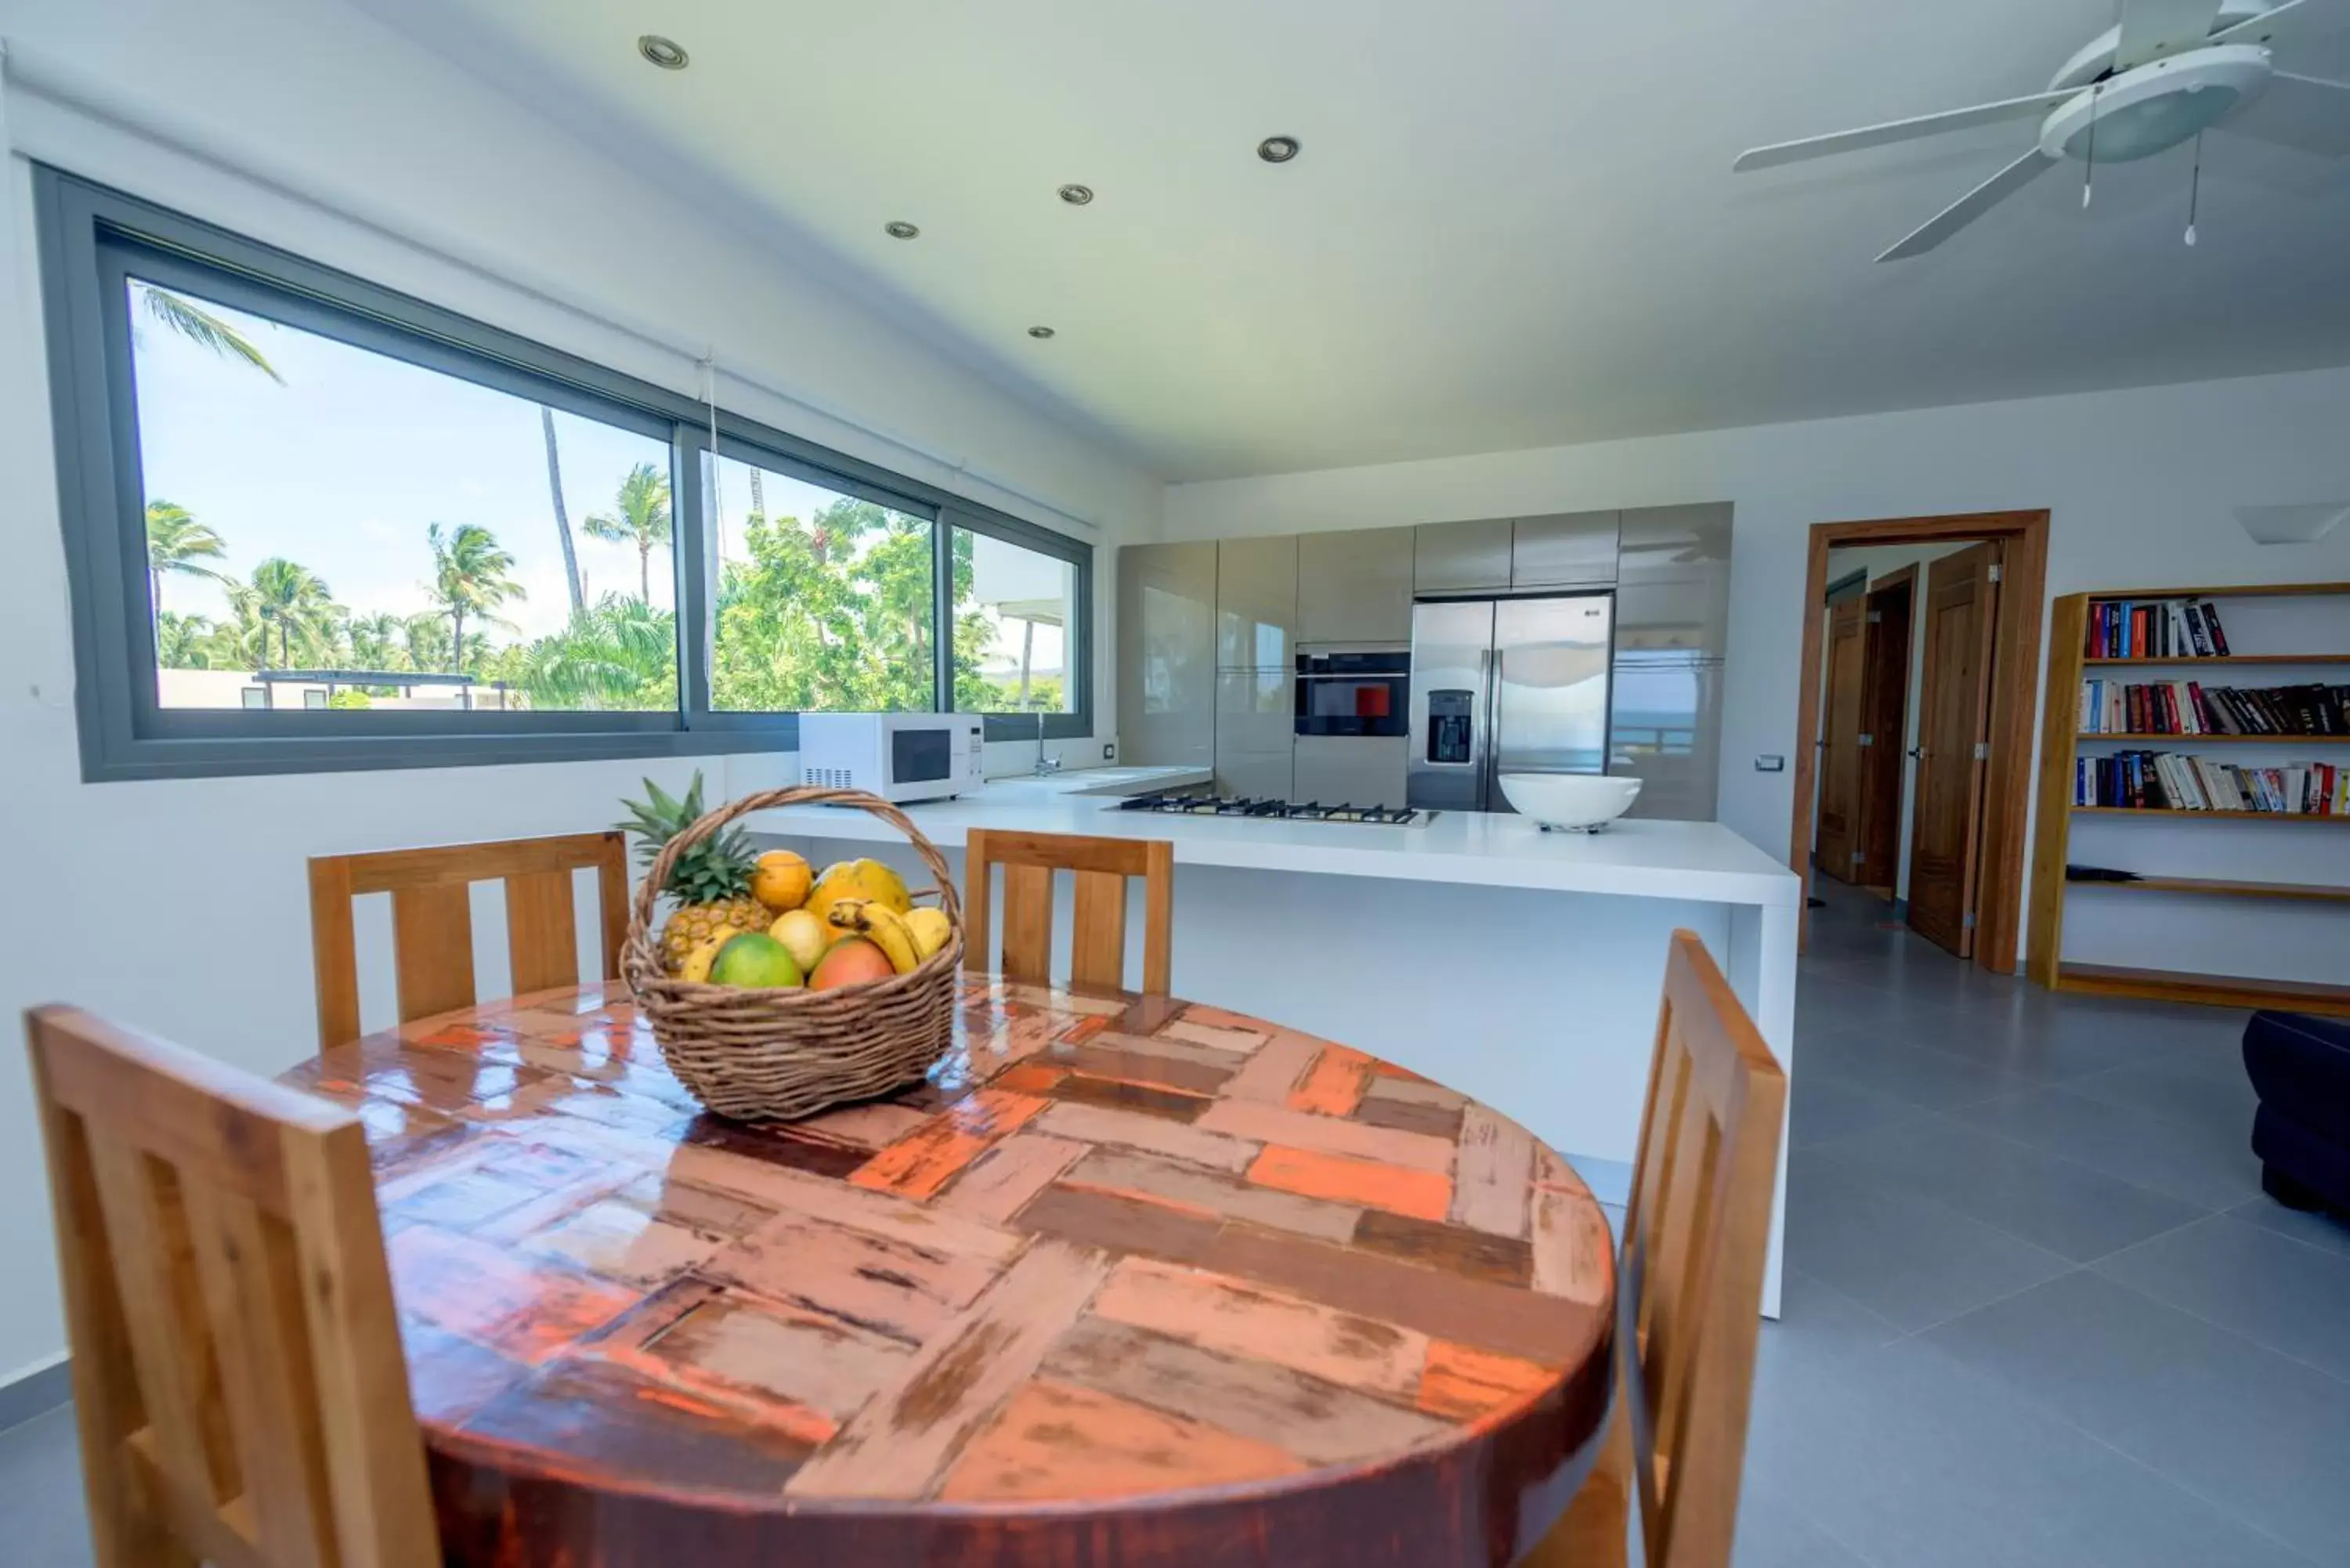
(1167, 653)
(1565, 550)
(1340, 769)
(1665, 729)
(1672, 588)
(1355, 586)
(1256, 723)
(1256, 603)
(1461, 558)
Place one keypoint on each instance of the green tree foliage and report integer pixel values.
(470, 577)
(618, 654)
(293, 610)
(177, 544)
(201, 327)
(184, 641)
(639, 516)
(830, 613)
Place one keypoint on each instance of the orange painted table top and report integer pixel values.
(1127, 1280)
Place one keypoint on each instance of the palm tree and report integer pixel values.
(614, 656)
(469, 573)
(200, 325)
(182, 641)
(641, 516)
(175, 542)
(296, 602)
(425, 639)
(375, 639)
(562, 518)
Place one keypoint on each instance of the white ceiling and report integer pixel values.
(1514, 223)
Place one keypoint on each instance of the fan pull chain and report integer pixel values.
(2195, 189)
(2089, 163)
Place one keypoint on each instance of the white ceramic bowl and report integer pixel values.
(1583, 801)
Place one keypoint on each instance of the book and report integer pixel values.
(2155, 628)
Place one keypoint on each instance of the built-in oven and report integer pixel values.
(1354, 692)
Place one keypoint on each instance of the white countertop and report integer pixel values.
(1697, 860)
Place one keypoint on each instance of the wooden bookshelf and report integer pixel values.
(2214, 740)
(2063, 742)
(2223, 888)
(2165, 812)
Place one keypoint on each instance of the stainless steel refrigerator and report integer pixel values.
(1506, 686)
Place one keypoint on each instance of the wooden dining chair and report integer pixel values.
(1098, 943)
(432, 920)
(1689, 1286)
(237, 1374)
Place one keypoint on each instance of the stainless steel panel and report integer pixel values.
(1566, 550)
(1335, 770)
(1167, 653)
(1550, 687)
(1672, 593)
(1461, 557)
(1256, 729)
(1665, 729)
(1355, 586)
(1256, 602)
(1452, 705)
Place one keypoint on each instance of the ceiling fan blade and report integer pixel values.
(2294, 19)
(1970, 206)
(1900, 131)
(2153, 29)
(2299, 111)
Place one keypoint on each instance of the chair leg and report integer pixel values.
(1596, 1530)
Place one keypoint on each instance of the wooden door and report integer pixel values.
(1953, 746)
(1885, 729)
(1839, 836)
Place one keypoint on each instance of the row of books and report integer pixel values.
(2173, 780)
(2188, 708)
(2156, 628)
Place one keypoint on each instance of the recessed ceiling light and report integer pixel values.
(1277, 149)
(1040, 332)
(1076, 195)
(666, 53)
(900, 230)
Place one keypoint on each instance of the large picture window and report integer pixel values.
(312, 524)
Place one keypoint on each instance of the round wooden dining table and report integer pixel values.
(1126, 1280)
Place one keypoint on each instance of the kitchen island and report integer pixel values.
(1518, 966)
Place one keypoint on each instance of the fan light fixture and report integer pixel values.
(666, 53)
(1278, 149)
(2155, 108)
(1040, 332)
(899, 230)
(1076, 195)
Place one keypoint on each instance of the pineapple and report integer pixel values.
(711, 883)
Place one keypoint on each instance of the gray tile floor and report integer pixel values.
(2037, 1311)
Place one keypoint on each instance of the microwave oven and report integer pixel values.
(900, 757)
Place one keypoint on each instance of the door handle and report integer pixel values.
(1917, 752)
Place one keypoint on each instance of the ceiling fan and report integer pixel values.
(2164, 74)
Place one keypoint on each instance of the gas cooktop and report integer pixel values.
(1270, 810)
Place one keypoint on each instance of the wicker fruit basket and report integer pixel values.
(779, 1055)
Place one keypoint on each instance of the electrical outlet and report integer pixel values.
(1109, 750)
(1769, 764)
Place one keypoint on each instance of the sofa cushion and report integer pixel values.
(2301, 1065)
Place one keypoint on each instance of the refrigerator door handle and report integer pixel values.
(1489, 758)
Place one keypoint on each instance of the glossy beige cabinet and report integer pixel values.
(1256, 723)
(1355, 586)
(1672, 633)
(1167, 654)
(1256, 603)
(1461, 557)
(1564, 550)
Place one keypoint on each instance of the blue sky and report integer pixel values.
(344, 466)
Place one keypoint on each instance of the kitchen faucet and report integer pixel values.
(1045, 766)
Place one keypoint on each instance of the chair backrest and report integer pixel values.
(1098, 943)
(237, 1372)
(1696, 1238)
(432, 920)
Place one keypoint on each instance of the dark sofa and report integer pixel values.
(2299, 1067)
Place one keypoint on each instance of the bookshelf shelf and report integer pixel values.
(2213, 989)
(2221, 887)
(2173, 811)
(2063, 744)
(2200, 658)
(2214, 740)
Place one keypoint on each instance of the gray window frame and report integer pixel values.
(91, 237)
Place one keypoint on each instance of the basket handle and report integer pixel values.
(657, 873)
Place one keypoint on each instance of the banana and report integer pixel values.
(843, 914)
(888, 929)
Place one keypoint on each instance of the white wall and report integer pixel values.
(180, 906)
(2139, 485)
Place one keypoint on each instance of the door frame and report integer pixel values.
(2007, 784)
(1876, 834)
